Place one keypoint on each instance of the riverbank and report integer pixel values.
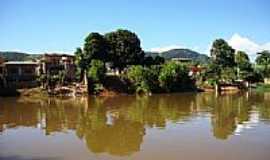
(111, 89)
(261, 87)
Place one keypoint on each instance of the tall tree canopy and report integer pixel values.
(95, 47)
(242, 60)
(222, 53)
(125, 48)
(263, 59)
(241, 57)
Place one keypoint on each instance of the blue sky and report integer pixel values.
(37, 26)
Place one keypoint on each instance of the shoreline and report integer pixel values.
(41, 93)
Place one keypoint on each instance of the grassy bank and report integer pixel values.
(261, 87)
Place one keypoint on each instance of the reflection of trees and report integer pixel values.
(121, 138)
(228, 111)
(156, 110)
(117, 125)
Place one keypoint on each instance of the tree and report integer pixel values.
(125, 48)
(148, 61)
(96, 75)
(159, 60)
(241, 58)
(95, 47)
(144, 79)
(244, 67)
(222, 54)
(263, 59)
(97, 71)
(80, 61)
(174, 77)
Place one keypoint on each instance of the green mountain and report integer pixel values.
(18, 56)
(174, 53)
(181, 53)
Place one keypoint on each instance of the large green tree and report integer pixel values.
(125, 48)
(222, 53)
(95, 47)
(244, 67)
(263, 60)
(241, 58)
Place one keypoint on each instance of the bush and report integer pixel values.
(228, 75)
(97, 71)
(174, 77)
(144, 79)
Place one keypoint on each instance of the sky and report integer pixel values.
(38, 26)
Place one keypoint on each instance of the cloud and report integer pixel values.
(245, 44)
(166, 48)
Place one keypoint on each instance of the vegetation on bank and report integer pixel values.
(121, 51)
(116, 61)
(263, 87)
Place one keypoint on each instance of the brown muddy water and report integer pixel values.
(172, 127)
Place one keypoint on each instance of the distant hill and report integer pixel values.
(18, 56)
(174, 53)
(181, 53)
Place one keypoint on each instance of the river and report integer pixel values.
(186, 126)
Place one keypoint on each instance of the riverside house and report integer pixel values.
(21, 74)
(52, 64)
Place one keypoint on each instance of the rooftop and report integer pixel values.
(21, 63)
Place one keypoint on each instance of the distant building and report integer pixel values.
(52, 64)
(20, 74)
(182, 60)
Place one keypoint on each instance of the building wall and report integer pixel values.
(21, 75)
(54, 63)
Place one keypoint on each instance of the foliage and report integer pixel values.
(174, 76)
(159, 60)
(244, 67)
(212, 74)
(144, 79)
(263, 60)
(148, 61)
(97, 71)
(253, 76)
(222, 54)
(95, 47)
(263, 87)
(80, 62)
(125, 48)
(228, 75)
(241, 59)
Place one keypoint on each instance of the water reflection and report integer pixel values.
(118, 125)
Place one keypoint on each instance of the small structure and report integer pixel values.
(182, 60)
(21, 74)
(52, 64)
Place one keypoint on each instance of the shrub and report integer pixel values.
(144, 79)
(174, 77)
(97, 71)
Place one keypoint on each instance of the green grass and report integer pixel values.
(261, 87)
